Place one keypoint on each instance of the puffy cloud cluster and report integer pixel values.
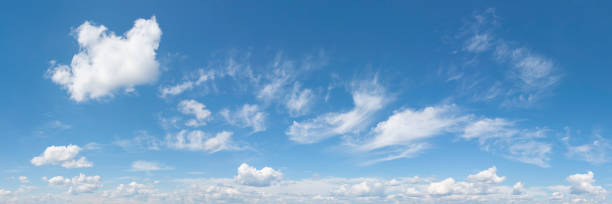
(248, 175)
(107, 63)
(61, 155)
(78, 184)
(583, 183)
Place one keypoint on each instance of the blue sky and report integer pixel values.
(305, 102)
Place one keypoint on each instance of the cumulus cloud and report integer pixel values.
(78, 184)
(583, 183)
(248, 175)
(148, 166)
(247, 116)
(197, 109)
(107, 63)
(368, 99)
(197, 140)
(488, 176)
(61, 155)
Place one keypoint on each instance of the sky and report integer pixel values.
(305, 102)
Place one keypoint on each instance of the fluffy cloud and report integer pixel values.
(488, 176)
(107, 63)
(133, 189)
(78, 184)
(192, 107)
(248, 175)
(61, 155)
(247, 116)
(198, 141)
(368, 100)
(583, 183)
(148, 166)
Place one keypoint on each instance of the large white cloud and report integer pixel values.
(61, 155)
(107, 63)
(78, 184)
(248, 175)
(583, 183)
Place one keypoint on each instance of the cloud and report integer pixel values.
(23, 179)
(299, 100)
(248, 175)
(247, 116)
(61, 155)
(518, 189)
(531, 152)
(78, 184)
(407, 126)
(594, 152)
(364, 188)
(526, 76)
(192, 107)
(176, 89)
(197, 140)
(501, 135)
(488, 176)
(368, 99)
(142, 141)
(134, 189)
(107, 63)
(148, 166)
(583, 183)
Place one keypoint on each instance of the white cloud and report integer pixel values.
(595, 152)
(527, 75)
(531, 152)
(364, 188)
(133, 189)
(407, 126)
(299, 100)
(61, 155)
(197, 140)
(192, 107)
(148, 166)
(518, 189)
(176, 89)
(488, 176)
(518, 144)
(142, 141)
(23, 179)
(248, 175)
(368, 100)
(583, 183)
(4, 192)
(78, 184)
(107, 63)
(247, 116)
